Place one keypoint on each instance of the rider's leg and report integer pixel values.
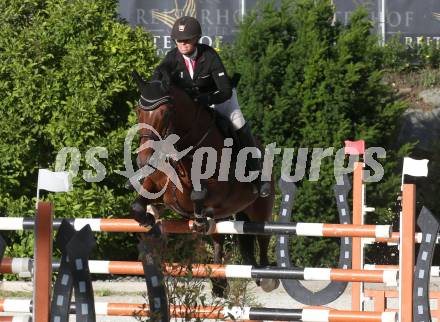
(255, 164)
(231, 109)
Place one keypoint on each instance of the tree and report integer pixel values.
(65, 82)
(308, 81)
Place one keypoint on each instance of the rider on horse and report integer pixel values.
(198, 70)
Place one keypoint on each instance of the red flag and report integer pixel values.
(355, 147)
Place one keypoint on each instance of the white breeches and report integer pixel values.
(231, 110)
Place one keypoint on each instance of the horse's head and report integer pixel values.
(154, 112)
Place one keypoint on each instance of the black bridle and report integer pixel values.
(167, 130)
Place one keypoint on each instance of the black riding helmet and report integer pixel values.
(186, 28)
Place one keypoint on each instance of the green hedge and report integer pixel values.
(308, 81)
(65, 81)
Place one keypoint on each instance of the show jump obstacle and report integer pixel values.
(76, 241)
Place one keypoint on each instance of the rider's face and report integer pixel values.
(187, 46)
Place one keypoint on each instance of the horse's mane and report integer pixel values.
(180, 97)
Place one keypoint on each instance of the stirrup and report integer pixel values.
(264, 189)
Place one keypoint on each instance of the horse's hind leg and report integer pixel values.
(261, 212)
(267, 285)
(263, 245)
(219, 285)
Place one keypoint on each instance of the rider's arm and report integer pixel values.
(164, 69)
(222, 81)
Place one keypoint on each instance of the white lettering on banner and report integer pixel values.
(237, 18)
(409, 18)
(167, 42)
(140, 17)
(205, 17)
(412, 42)
(394, 18)
(397, 19)
(223, 16)
(206, 40)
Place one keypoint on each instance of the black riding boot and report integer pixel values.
(246, 139)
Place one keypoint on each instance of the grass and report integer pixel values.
(414, 82)
(5, 294)
(99, 293)
(103, 292)
(106, 292)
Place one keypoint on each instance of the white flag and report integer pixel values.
(415, 168)
(53, 181)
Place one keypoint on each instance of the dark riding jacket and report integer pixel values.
(210, 78)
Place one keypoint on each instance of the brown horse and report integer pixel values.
(170, 111)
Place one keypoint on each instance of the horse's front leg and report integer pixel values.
(142, 209)
(138, 211)
(219, 285)
(201, 213)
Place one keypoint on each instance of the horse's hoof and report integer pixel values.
(265, 189)
(145, 220)
(201, 225)
(219, 289)
(218, 292)
(200, 228)
(268, 285)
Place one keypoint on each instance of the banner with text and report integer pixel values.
(220, 19)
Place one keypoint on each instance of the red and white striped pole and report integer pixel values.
(24, 318)
(224, 227)
(435, 270)
(389, 277)
(310, 314)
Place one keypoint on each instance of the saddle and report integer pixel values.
(226, 129)
(224, 124)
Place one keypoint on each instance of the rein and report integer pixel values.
(167, 131)
(205, 135)
(152, 136)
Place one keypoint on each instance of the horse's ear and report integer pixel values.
(138, 79)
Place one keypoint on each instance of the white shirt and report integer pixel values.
(190, 62)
